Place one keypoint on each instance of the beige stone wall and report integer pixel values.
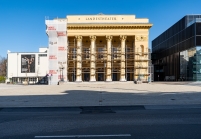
(104, 32)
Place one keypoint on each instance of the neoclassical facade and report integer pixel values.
(107, 48)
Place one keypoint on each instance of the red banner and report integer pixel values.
(52, 72)
(51, 28)
(61, 48)
(61, 34)
(52, 57)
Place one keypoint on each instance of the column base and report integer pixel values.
(122, 80)
(93, 79)
(108, 80)
(78, 80)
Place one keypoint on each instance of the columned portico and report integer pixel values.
(108, 72)
(107, 48)
(79, 59)
(93, 59)
(122, 73)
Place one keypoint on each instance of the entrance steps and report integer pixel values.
(99, 82)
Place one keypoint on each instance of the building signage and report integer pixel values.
(101, 18)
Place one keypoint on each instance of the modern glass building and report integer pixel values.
(176, 53)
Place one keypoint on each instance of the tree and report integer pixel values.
(3, 71)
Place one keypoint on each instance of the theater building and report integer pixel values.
(176, 53)
(98, 48)
(86, 48)
(27, 67)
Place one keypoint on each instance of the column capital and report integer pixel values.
(108, 37)
(79, 38)
(123, 37)
(93, 38)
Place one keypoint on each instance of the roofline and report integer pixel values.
(27, 52)
(109, 23)
(173, 25)
(99, 14)
(192, 14)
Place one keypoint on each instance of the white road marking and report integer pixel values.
(84, 136)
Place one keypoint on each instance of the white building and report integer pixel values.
(27, 67)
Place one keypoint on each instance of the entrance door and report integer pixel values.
(100, 76)
(73, 77)
(114, 77)
(128, 77)
(86, 77)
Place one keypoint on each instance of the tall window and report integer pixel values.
(41, 55)
(115, 51)
(100, 52)
(128, 52)
(86, 53)
(74, 53)
(142, 49)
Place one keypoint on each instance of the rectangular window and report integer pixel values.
(86, 53)
(198, 40)
(41, 55)
(74, 51)
(114, 51)
(198, 29)
(100, 52)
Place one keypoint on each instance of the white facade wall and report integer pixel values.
(14, 65)
(43, 49)
(57, 34)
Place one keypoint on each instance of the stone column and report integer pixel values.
(93, 59)
(79, 59)
(108, 71)
(122, 74)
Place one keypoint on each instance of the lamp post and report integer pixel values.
(61, 72)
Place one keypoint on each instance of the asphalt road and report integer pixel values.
(137, 122)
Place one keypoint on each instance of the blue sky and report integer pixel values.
(22, 22)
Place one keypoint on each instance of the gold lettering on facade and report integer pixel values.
(101, 18)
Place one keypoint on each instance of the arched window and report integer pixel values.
(142, 49)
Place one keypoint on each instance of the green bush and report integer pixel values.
(2, 79)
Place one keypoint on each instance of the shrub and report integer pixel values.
(2, 79)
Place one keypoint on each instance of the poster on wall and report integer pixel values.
(27, 63)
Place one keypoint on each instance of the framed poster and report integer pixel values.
(28, 63)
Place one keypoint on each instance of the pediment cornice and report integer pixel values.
(133, 26)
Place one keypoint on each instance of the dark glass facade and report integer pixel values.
(176, 53)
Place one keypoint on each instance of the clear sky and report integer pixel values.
(22, 22)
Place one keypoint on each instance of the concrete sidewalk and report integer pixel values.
(100, 94)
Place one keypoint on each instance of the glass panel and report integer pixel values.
(190, 64)
(197, 63)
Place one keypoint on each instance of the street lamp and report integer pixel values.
(61, 72)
